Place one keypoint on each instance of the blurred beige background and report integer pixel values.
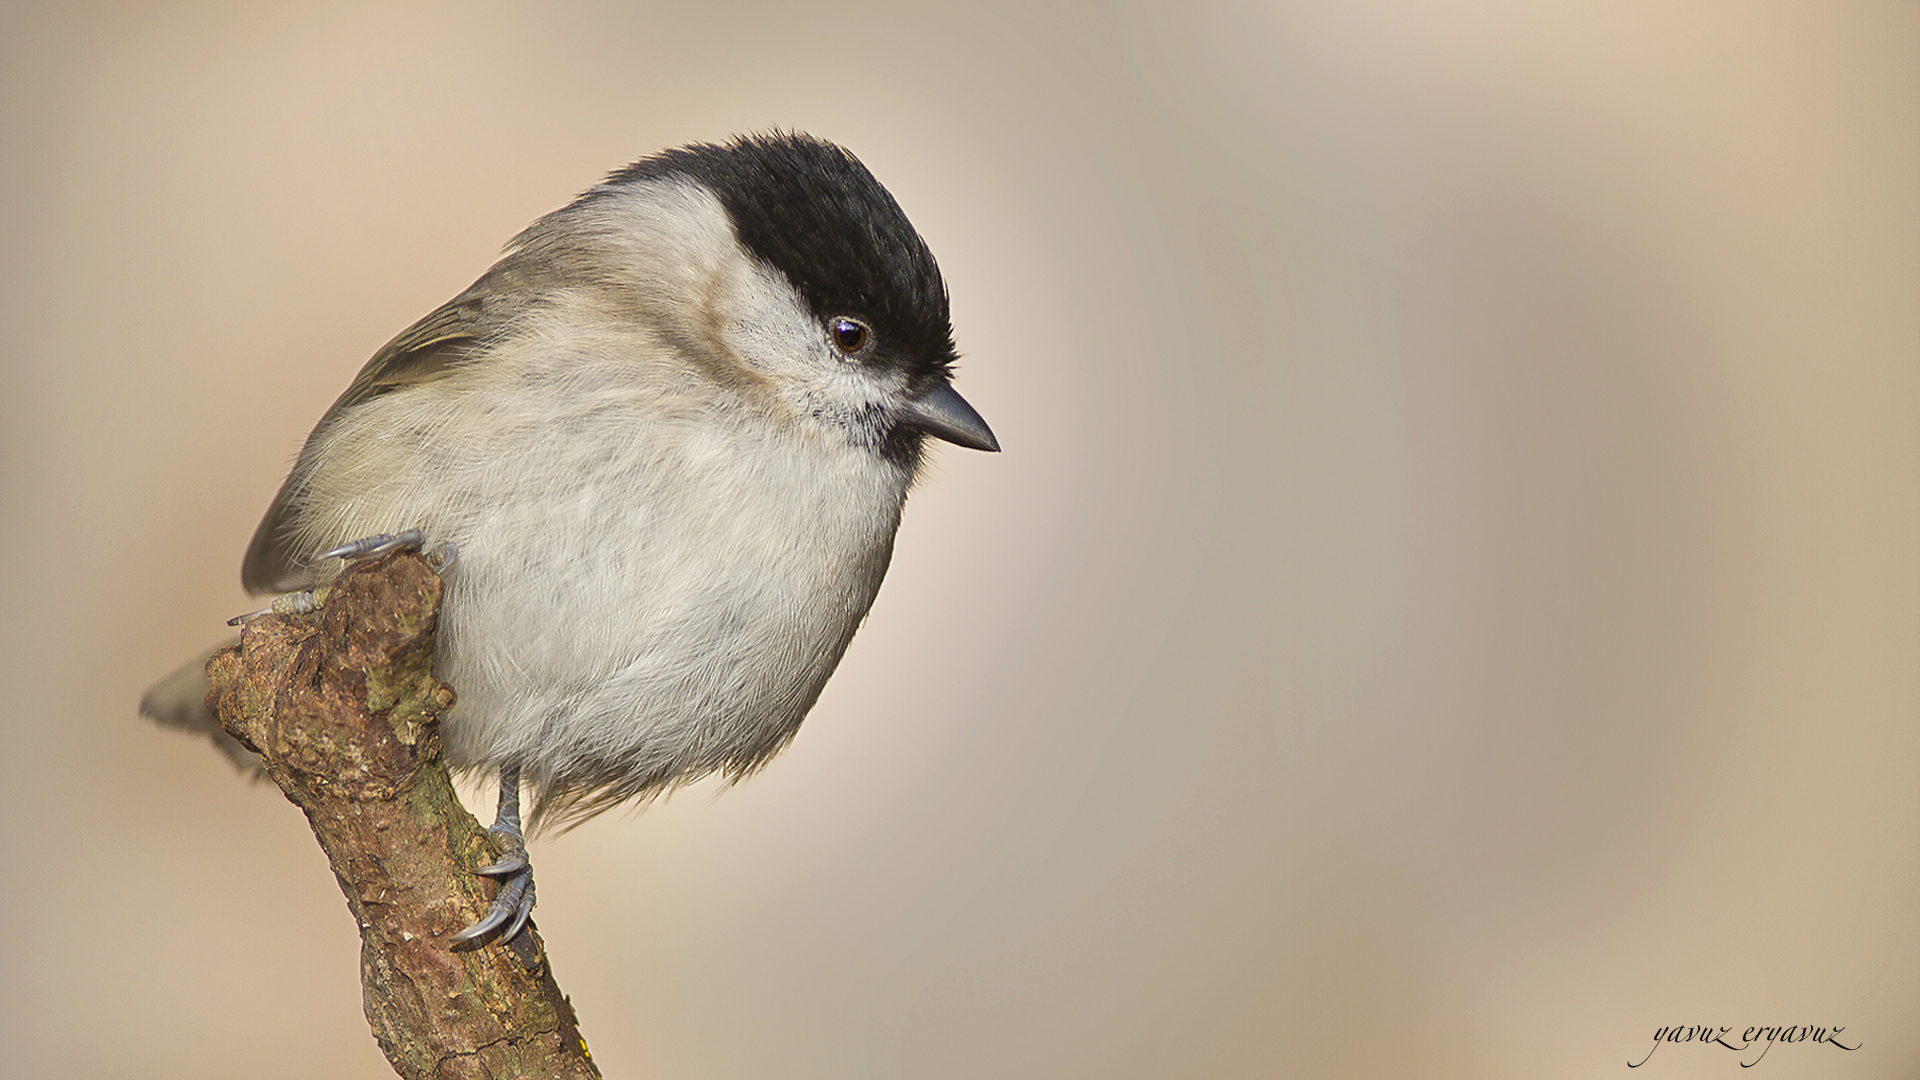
(1449, 605)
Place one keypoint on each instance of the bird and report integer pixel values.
(660, 451)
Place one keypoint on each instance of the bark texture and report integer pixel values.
(342, 705)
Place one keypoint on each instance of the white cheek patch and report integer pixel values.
(766, 324)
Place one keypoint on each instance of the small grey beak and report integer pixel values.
(944, 414)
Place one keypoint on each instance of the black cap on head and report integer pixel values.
(810, 210)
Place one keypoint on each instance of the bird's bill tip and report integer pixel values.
(945, 415)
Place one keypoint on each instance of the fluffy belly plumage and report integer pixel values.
(662, 599)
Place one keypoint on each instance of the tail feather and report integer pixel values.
(180, 701)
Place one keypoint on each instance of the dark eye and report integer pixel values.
(849, 335)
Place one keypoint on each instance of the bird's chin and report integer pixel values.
(904, 446)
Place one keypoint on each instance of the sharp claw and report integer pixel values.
(495, 918)
(239, 620)
(520, 919)
(357, 547)
(513, 901)
(507, 866)
(480, 929)
(369, 546)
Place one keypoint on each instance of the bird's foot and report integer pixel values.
(440, 557)
(513, 903)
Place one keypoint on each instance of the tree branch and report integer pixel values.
(343, 707)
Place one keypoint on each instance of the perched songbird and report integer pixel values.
(663, 446)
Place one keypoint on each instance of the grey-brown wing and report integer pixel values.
(422, 353)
